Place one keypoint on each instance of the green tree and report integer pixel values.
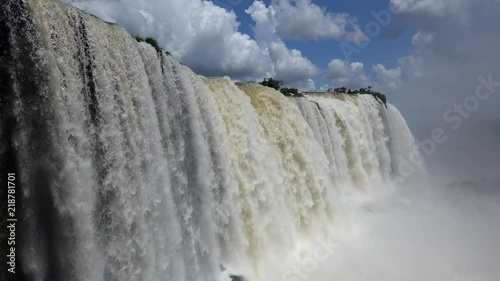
(340, 90)
(271, 83)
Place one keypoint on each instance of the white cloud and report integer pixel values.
(290, 66)
(389, 78)
(343, 74)
(429, 7)
(356, 35)
(456, 43)
(305, 86)
(422, 38)
(325, 87)
(302, 20)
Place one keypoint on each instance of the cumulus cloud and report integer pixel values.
(390, 78)
(422, 38)
(290, 66)
(302, 20)
(356, 35)
(305, 85)
(343, 74)
(456, 43)
(429, 7)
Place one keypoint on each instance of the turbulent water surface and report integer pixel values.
(132, 167)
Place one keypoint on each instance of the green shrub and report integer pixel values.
(380, 96)
(151, 41)
(290, 92)
(340, 90)
(270, 82)
(362, 91)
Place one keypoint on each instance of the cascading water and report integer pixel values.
(132, 167)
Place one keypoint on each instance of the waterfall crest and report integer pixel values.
(132, 167)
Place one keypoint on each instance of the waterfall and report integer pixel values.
(132, 167)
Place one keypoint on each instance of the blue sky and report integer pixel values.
(393, 43)
(428, 59)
